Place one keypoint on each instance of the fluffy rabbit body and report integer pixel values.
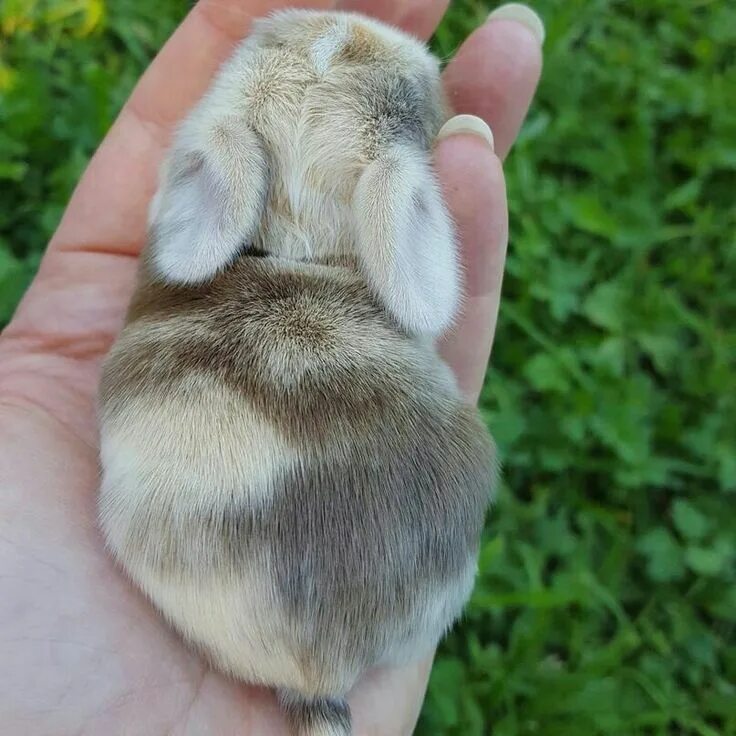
(289, 471)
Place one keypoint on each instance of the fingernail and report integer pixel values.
(467, 124)
(521, 14)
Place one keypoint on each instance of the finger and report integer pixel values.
(419, 17)
(495, 72)
(108, 209)
(399, 692)
(474, 189)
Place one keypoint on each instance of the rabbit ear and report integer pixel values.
(209, 203)
(406, 240)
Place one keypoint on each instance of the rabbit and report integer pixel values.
(289, 471)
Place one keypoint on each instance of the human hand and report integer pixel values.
(81, 651)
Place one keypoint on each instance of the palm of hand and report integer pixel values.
(81, 651)
(81, 648)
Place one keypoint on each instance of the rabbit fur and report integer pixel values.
(289, 470)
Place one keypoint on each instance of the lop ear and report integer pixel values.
(406, 241)
(209, 203)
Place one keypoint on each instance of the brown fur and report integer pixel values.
(363, 47)
(289, 471)
(381, 436)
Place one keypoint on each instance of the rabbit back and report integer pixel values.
(292, 478)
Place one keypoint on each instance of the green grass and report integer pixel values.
(606, 600)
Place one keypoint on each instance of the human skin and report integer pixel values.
(81, 651)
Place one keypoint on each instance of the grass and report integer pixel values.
(606, 600)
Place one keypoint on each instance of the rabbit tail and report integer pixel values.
(316, 716)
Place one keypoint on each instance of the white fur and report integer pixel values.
(327, 46)
(211, 199)
(406, 240)
(236, 618)
(197, 449)
(265, 160)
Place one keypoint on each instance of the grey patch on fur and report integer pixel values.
(395, 522)
(189, 165)
(397, 109)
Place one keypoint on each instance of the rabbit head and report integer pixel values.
(314, 143)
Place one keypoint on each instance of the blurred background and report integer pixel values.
(606, 599)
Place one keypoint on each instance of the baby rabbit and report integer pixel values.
(289, 471)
